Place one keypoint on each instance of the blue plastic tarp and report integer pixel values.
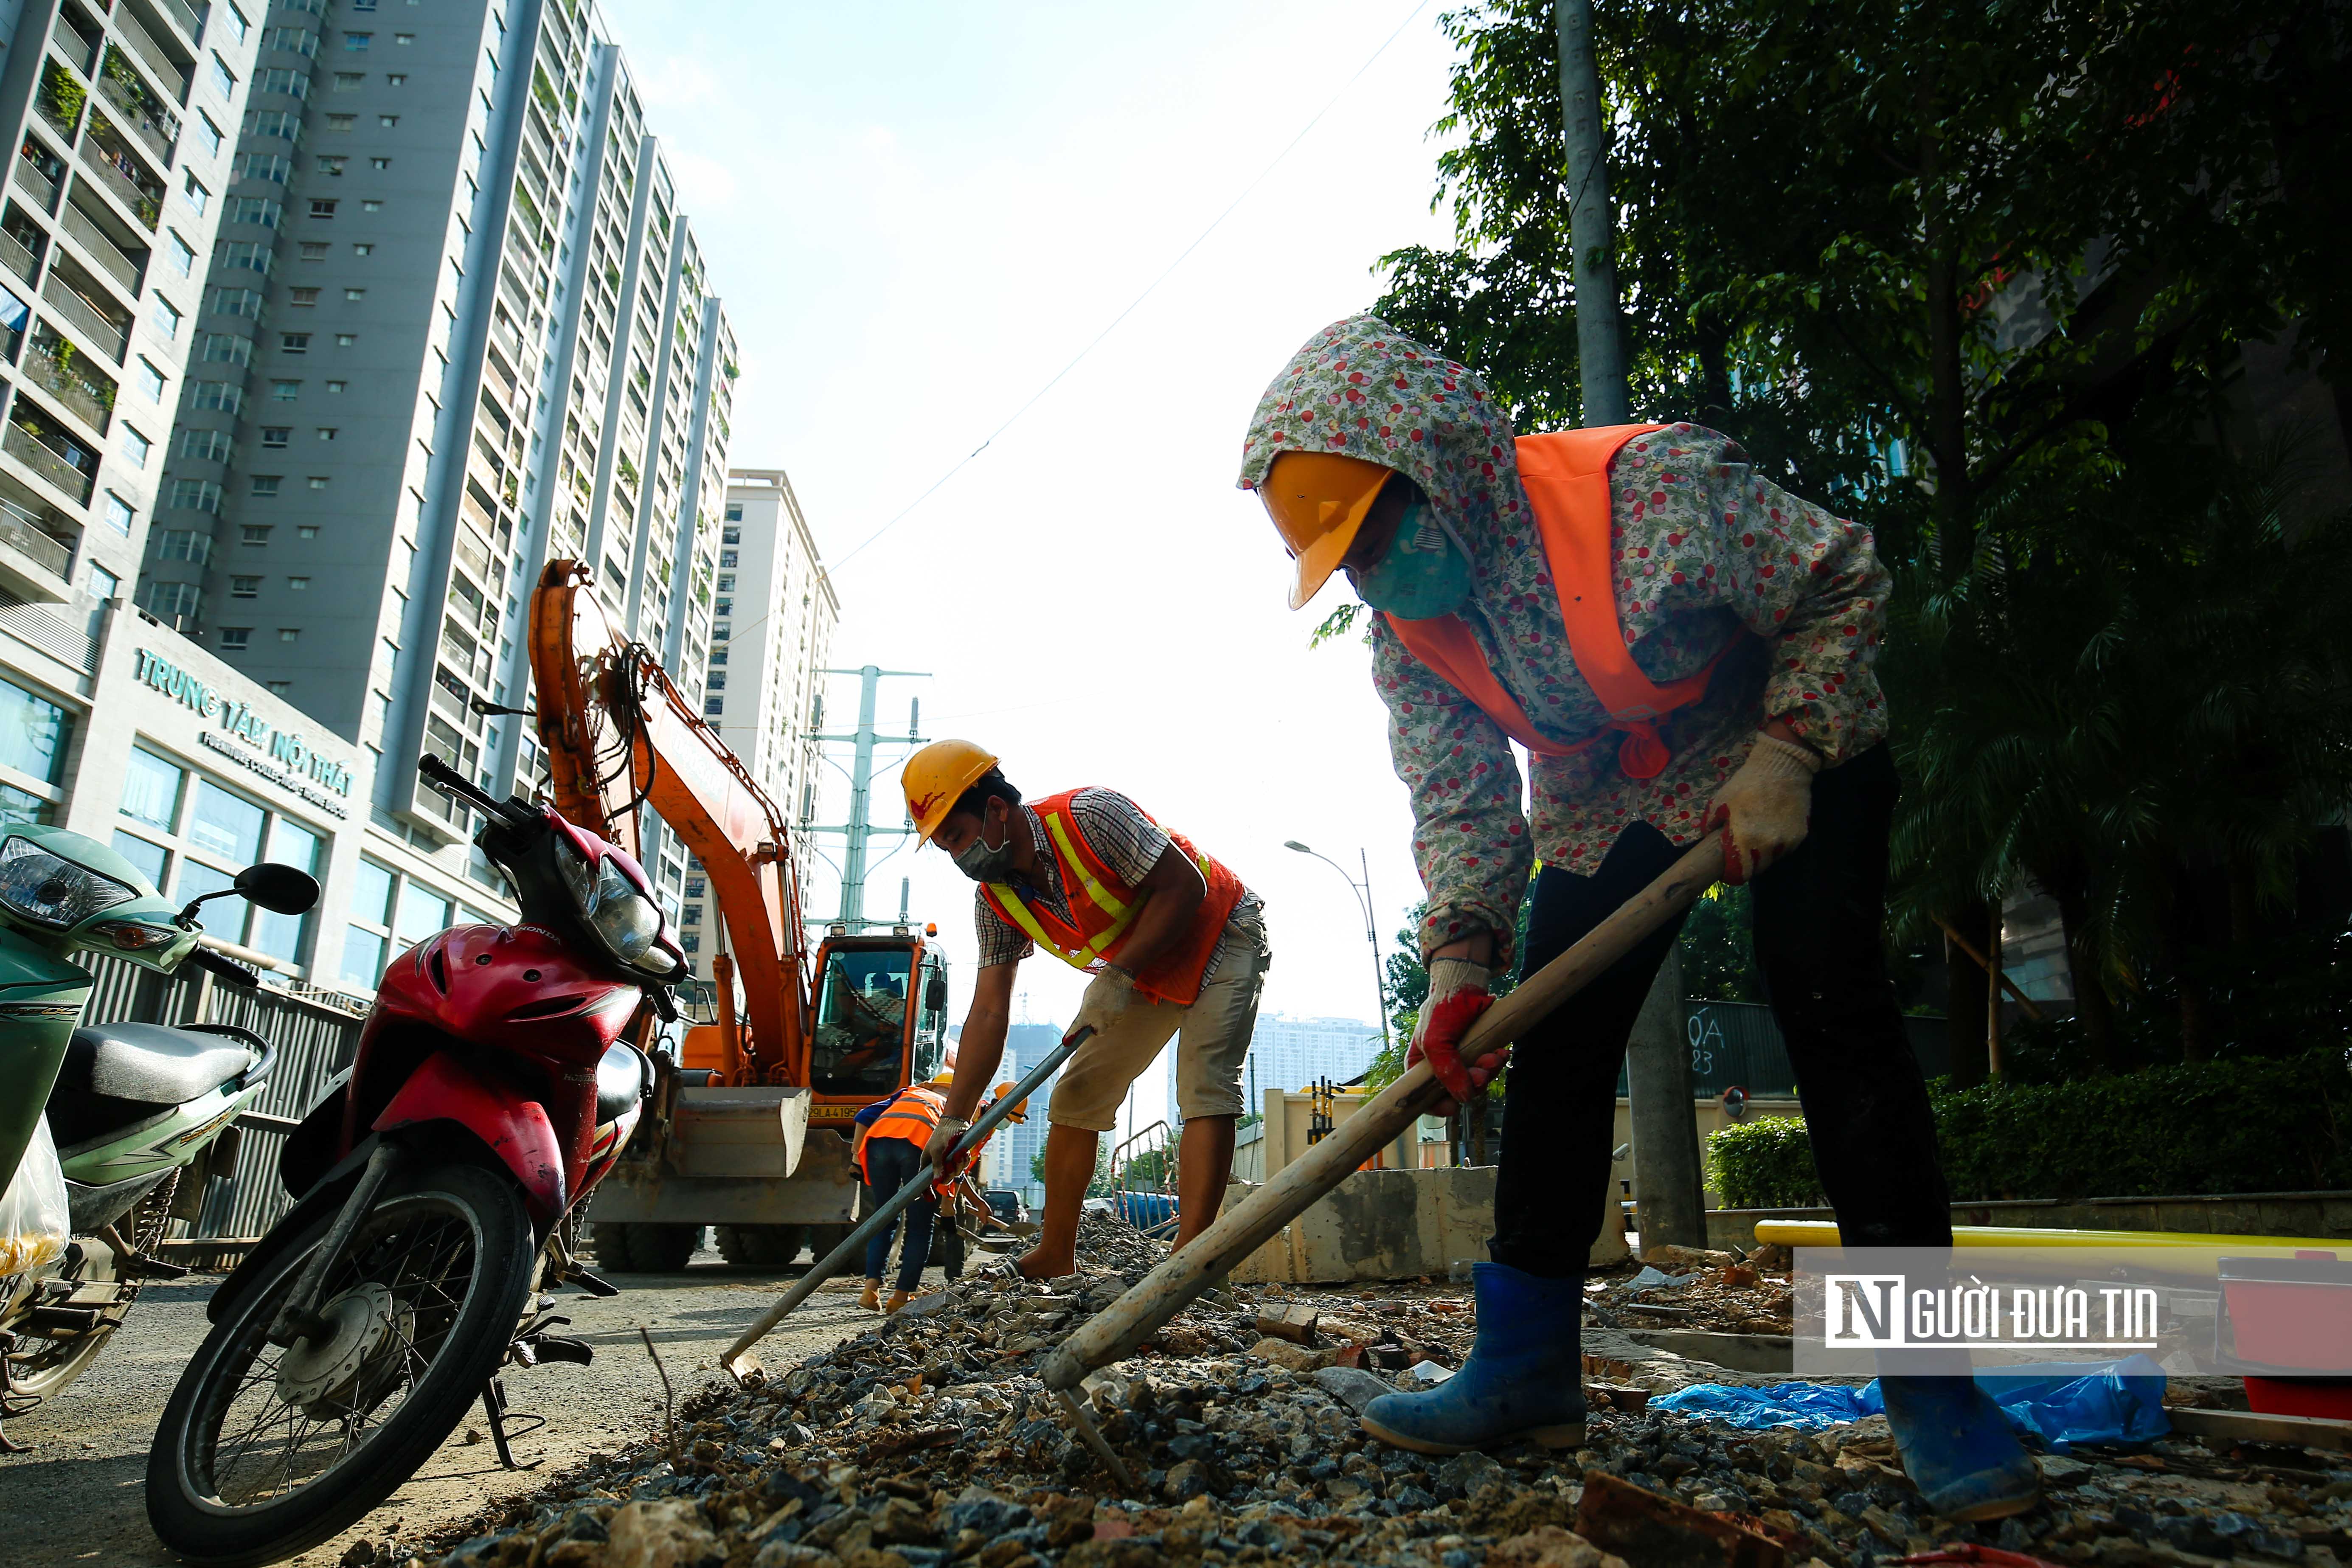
(2062, 1403)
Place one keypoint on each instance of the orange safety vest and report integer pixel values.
(1102, 906)
(913, 1116)
(1566, 477)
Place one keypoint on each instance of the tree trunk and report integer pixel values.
(1964, 1000)
(2178, 920)
(2092, 1007)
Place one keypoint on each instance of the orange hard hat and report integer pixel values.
(1318, 500)
(1019, 1112)
(935, 779)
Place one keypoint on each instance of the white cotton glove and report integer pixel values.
(943, 1144)
(1766, 805)
(1110, 994)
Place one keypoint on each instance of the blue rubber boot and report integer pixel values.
(1959, 1449)
(1524, 1377)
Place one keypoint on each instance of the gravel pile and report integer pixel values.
(1700, 1289)
(930, 1440)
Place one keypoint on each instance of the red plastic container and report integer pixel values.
(2330, 1398)
(2290, 1315)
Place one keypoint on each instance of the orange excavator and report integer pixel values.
(749, 1130)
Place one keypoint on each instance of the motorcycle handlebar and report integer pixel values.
(228, 969)
(452, 782)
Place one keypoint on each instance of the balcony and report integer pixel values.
(30, 179)
(128, 180)
(190, 18)
(92, 322)
(60, 99)
(31, 446)
(81, 51)
(141, 107)
(34, 563)
(16, 256)
(100, 248)
(154, 57)
(55, 363)
(15, 317)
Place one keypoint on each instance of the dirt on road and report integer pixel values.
(80, 1498)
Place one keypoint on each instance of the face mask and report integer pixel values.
(1421, 576)
(986, 862)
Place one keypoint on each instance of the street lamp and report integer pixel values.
(1371, 926)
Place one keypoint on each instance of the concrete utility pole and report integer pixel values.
(859, 830)
(1666, 1171)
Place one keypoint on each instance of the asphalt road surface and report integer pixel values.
(79, 1497)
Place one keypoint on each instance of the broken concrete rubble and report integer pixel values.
(929, 1440)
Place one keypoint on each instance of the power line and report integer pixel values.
(1214, 224)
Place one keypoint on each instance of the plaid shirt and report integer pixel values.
(1130, 844)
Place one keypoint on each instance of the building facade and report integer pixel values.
(1290, 1053)
(406, 309)
(772, 615)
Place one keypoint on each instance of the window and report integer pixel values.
(327, 432)
(403, 39)
(717, 681)
(163, 318)
(298, 584)
(205, 446)
(321, 209)
(422, 912)
(350, 81)
(195, 495)
(192, 189)
(266, 484)
(286, 124)
(229, 826)
(690, 942)
(719, 657)
(292, 83)
(209, 133)
(272, 166)
(308, 530)
(396, 78)
(302, 298)
(345, 340)
(732, 535)
(275, 434)
(387, 120)
(724, 607)
(336, 387)
(354, 293)
(379, 163)
(34, 733)
(294, 342)
(318, 482)
(148, 858)
(278, 688)
(371, 205)
(118, 514)
(182, 254)
(362, 250)
(254, 534)
(314, 250)
(150, 789)
(726, 557)
(218, 394)
(713, 707)
(136, 446)
(293, 41)
(226, 347)
(244, 588)
(333, 166)
(285, 391)
(341, 122)
(248, 254)
(183, 544)
(252, 209)
(281, 936)
(726, 582)
(224, 79)
(363, 957)
(237, 303)
(734, 514)
(289, 634)
(690, 915)
(238, 25)
(357, 43)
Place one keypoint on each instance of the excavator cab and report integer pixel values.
(880, 1021)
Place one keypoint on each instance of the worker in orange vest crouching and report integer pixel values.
(893, 1136)
(1679, 644)
(1176, 946)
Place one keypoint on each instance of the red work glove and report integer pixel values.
(1457, 994)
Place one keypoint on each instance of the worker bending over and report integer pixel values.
(1680, 645)
(1176, 945)
(893, 1136)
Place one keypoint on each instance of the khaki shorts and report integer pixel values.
(1213, 1037)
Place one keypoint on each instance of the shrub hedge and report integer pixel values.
(2243, 1125)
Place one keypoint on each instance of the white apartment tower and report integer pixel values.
(774, 613)
(456, 327)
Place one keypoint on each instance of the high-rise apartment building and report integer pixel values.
(123, 117)
(772, 615)
(456, 327)
(1291, 1053)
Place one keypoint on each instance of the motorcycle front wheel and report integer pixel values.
(263, 1452)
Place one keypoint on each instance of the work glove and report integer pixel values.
(943, 1144)
(1765, 806)
(1457, 994)
(1108, 994)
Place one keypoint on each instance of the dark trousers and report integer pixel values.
(1819, 913)
(892, 1162)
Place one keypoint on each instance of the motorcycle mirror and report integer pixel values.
(279, 889)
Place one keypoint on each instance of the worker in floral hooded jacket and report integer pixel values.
(1680, 645)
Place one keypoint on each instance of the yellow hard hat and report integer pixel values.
(1318, 500)
(935, 779)
(1019, 1112)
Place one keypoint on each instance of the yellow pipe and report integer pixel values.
(2160, 1251)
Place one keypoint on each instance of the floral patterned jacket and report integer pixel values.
(1708, 556)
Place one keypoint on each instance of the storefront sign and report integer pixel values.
(282, 756)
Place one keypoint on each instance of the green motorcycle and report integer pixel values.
(132, 1111)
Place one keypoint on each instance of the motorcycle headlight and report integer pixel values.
(625, 918)
(52, 893)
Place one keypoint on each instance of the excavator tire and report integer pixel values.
(823, 1238)
(639, 1249)
(759, 1245)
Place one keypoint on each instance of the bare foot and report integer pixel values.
(1033, 1265)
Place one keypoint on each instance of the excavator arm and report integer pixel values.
(620, 736)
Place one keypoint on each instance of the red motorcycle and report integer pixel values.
(500, 1073)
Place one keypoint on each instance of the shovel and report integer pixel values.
(1114, 1333)
(739, 1362)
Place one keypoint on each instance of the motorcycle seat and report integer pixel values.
(150, 1064)
(620, 1083)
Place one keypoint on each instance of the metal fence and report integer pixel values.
(314, 1040)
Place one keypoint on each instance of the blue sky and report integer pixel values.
(916, 215)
